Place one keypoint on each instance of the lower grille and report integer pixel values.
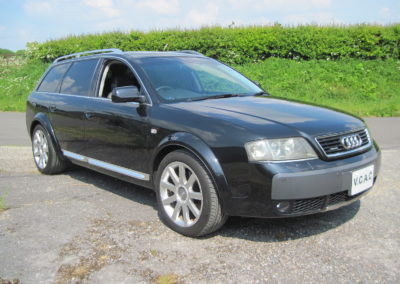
(338, 198)
(304, 206)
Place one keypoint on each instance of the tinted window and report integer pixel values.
(188, 78)
(79, 78)
(51, 82)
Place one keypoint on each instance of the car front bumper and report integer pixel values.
(302, 187)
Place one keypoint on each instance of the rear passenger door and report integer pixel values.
(67, 111)
(48, 90)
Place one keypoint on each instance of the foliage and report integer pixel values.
(20, 52)
(362, 87)
(17, 79)
(4, 51)
(243, 44)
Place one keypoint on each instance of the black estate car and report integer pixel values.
(208, 140)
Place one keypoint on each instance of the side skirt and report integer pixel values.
(125, 174)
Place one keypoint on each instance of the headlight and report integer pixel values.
(279, 149)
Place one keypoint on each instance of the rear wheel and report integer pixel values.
(187, 198)
(46, 159)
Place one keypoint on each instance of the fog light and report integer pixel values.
(283, 206)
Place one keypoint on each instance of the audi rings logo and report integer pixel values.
(351, 141)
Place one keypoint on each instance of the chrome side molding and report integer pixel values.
(107, 166)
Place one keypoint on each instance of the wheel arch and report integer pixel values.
(197, 147)
(42, 119)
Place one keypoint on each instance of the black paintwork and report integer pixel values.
(214, 130)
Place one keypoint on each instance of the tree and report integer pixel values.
(20, 52)
(4, 51)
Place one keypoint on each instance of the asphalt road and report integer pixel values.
(85, 227)
(13, 129)
(386, 131)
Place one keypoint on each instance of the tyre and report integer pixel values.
(44, 153)
(186, 195)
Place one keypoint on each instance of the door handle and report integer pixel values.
(88, 115)
(52, 108)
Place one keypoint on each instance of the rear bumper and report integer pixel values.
(307, 187)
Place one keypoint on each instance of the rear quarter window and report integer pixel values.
(78, 80)
(51, 82)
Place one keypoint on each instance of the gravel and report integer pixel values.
(85, 227)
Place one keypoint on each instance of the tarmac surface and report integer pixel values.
(85, 227)
(13, 131)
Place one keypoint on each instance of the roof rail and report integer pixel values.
(86, 53)
(191, 52)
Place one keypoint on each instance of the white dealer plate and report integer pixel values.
(362, 180)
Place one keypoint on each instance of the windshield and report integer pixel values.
(193, 78)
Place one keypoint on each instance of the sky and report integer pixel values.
(23, 21)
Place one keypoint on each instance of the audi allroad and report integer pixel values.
(209, 141)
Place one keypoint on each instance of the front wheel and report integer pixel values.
(187, 198)
(44, 152)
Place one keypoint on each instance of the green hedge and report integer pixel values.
(242, 45)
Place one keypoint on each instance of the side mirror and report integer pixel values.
(127, 94)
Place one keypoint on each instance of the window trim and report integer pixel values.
(101, 82)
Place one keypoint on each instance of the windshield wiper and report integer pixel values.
(220, 96)
(262, 93)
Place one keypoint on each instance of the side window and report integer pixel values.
(79, 78)
(116, 74)
(52, 81)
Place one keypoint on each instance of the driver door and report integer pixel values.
(116, 133)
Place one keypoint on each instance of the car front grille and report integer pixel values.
(333, 147)
(307, 205)
(310, 205)
(338, 198)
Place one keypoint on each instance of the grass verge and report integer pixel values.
(361, 87)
